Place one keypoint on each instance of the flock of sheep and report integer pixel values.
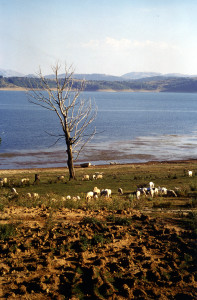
(96, 192)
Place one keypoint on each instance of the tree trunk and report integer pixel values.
(70, 163)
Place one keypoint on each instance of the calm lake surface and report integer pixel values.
(131, 127)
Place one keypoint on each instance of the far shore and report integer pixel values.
(103, 166)
(21, 89)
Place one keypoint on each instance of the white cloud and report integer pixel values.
(118, 56)
(110, 43)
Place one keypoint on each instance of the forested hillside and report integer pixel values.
(154, 84)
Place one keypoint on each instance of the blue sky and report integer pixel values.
(106, 36)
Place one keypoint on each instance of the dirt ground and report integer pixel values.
(80, 254)
(95, 254)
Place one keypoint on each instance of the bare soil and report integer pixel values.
(81, 254)
(95, 254)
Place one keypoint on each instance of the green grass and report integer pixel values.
(128, 177)
(7, 231)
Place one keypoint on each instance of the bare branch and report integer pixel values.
(74, 114)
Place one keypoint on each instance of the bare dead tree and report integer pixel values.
(74, 113)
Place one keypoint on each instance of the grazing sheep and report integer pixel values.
(190, 173)
(156, 190)
(152, 185)
(106, 192)
(35, 196)
(68, 197)
(171, 193)
(96, 191)
(163, 190)
(60, 178)
(28, 195)
(143, 190)
(150, 191)
(13, 190)
(138, 194)
(24, 181)
(86, 177)
(95, 196)
(74, 199)
(120, 191)
(93, 176)
(99, 176)
(78, 198)
(3, 181)
(89, 195)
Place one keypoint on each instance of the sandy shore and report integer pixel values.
(56, 169)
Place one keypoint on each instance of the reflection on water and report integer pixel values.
(141, 149)
(131, 127)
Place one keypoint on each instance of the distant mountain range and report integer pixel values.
(101, 77)
(134, 81)
(10, 73)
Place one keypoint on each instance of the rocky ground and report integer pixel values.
(100, 254)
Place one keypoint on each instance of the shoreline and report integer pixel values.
(21, 89)
(116, 165)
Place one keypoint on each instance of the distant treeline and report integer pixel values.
(159, 84)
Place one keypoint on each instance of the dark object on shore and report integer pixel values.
(85, 165)
(37, 179)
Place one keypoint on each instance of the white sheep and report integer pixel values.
(156, 190)
(150, 191)
(24, 181)
(171, 193)
(96, 191)
(61, 177)
(13, 190)
(99, 176)
(151, 185)
(68, 197)
(106, 192)
(120, 191)
(190, 173)
(28, 195)
(86, 177)
(89, 195)
(138, 193)
(143, 190)
(35, 196)
(3, 181)
(163, 190)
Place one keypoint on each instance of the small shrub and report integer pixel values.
(92, 220)
(97, 239)
(119, 220)
(2, 206)
(7, 231)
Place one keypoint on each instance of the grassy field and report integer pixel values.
(170, 175)
(116, 248)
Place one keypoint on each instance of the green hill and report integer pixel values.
(153, 84)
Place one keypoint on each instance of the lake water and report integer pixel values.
(131, 127)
